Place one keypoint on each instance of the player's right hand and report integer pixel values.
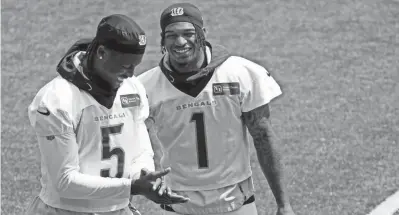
(151, 185)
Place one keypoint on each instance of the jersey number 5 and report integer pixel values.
(107, 153)
(202, 151)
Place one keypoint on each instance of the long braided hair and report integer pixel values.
(90, 53)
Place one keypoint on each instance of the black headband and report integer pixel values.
(124, 48)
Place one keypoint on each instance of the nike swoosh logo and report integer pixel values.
(44, 113)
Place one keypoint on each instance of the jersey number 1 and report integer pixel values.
(107, 153)
(202, 151)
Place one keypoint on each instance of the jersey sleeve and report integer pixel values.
(144, 108)
(60, 156)
(143, 94)
(53, 122)
(47, 120)
(149, 82)
(258, 86)
(146, 157)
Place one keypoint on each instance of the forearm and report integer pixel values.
(259, 126)
(155, 143)
(76, 185)
(270, 163)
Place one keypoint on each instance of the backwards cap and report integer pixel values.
(181, 12)
(122, 34)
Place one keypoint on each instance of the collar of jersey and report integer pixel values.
(193, 83)
(70, 68)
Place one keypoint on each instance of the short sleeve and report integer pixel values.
(259, 87)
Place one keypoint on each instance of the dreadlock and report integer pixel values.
(90, 53)
(199, 34)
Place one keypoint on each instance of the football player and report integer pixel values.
(90, 126)
(202, 102)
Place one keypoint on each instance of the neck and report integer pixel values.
(94, 75)
(190, 67)
(85, 69)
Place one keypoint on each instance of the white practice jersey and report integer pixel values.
(89, 152)
(203, 138)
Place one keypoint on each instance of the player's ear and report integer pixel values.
(101, 52)
(205, 31)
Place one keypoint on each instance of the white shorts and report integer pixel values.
(38, 207)
(248, 209)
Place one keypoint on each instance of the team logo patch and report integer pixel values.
(177, 11)
(130, 100)
(232, 88)
(142, 40)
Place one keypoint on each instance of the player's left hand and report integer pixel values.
(286, 210)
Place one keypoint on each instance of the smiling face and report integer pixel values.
(181, 43)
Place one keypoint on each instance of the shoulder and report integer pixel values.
(153, 81)
(133, 94)
(243, 71)
(57, 94)
(137, 86)
(150, 77)
(134, 82)
(53, 109)
(243, 67)
(257, 86)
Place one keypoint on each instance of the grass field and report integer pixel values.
(337, 63)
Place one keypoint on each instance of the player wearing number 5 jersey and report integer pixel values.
(202, 101)
(90, 126)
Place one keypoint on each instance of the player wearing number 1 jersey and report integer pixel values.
(202, 101)
(90, 126)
